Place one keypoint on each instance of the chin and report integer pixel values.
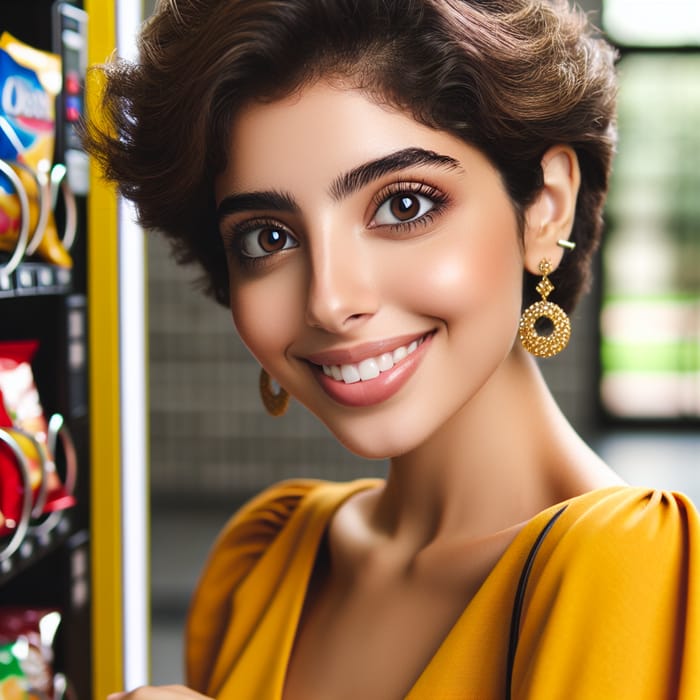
(378, 444)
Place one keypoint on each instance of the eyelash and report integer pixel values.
(439, 199)
(236, 238)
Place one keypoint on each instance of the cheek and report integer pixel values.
(473, 276)
(264, 314)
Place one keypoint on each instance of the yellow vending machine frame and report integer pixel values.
(117, 323)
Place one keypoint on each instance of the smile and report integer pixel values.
(370, 374)
(371, 367)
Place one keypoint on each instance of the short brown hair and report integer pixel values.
(510, 77)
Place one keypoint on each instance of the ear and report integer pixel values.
(550, 217)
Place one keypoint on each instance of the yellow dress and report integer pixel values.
(611, 609)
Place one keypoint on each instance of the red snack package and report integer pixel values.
(13, 485)
(21, 471)
(22, 415)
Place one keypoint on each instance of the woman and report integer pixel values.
(389, 194)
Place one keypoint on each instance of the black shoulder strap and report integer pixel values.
(520, 597)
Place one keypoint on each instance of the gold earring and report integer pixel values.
(275, 402)
(558, 339)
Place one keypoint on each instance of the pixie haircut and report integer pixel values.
(509, 77)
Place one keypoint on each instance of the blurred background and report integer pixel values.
(629, 382)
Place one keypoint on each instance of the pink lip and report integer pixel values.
(373, 391)
(347, 356)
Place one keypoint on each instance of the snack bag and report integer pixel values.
(22, 415)
(9, 214)
(26, 638)
(12, 480)
(30, 80)
(13, 681)
(12, 488)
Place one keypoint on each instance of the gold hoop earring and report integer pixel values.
(275, 402)
(558, 339)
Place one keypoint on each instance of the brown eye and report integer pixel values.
(261, 241)
(404, 206)
(271, 240)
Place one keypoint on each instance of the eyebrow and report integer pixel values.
(343, 186)
(354, 180)
(248, 201)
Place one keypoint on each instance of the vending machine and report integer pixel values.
(73, 526)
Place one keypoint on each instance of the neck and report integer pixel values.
(506, 455)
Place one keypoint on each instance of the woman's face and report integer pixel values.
(375, 264)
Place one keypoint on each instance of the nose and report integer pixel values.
(342, 289)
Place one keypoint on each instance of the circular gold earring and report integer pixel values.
(275, 402)
(553, 343)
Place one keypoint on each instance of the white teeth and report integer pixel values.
(371, 367)
(385, 361)
(350, 373)
(400, 353)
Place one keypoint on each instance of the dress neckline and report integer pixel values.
(328, 497)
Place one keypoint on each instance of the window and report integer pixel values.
(650, 316)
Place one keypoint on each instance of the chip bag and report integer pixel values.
(30, 80)
(26, 652)
(15, 482)
(10, 213)
(14, 684)
(22, 416)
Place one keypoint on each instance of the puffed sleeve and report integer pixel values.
(237, 549)
(612, 610)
